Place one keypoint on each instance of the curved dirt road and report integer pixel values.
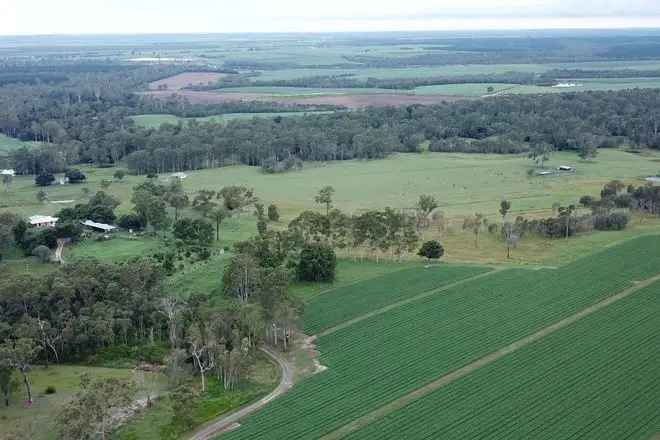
(227, 422)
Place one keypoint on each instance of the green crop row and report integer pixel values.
(595, 380)
(384, 357)
(348, 302)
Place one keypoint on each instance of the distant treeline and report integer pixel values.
(349, 80)
(507, 124)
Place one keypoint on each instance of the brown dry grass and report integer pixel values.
(178, 82)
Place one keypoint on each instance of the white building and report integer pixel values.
(99, 226)
(42, 221)
(7, 173)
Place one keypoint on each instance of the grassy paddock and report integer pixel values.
(38, 422)
(155, 120)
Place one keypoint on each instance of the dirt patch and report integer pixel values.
(349, 101)
(178, 82)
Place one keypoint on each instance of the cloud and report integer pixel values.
(173, 16)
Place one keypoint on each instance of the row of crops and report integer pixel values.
(347, 302)
(384, 357)
(595, 380)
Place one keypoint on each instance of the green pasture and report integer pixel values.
(9, 144)
(38, 422)
(156, 120)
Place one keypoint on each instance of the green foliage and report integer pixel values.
(42, 252)
(317, 262)
(273, 213)
(45, 179)
(432, 250)
(75, 175)
(50, 389)
(344, 303)
(418, 342)
(193, 231)
(613, 346)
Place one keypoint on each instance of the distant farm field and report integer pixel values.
(9, 144)
(178, 82)
(155, 121)
(395, 354)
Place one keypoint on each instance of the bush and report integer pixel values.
(42, 252)
(50, 390)
(197, 231)
(318, 262)
(132, 221)
(611, 222)
(432, 250)
(75, 176)
(44, 179)
(273, 213)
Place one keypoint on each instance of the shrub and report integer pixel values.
(318, 262)
(611, 222)
(132, 221)
(75, 176)
(432, 250)
(42, 252)
(44, 179)
(273, 213)
(50, 390)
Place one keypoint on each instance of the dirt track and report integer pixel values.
(227, 422)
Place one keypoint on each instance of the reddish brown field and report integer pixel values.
(177, 82)
(348, 101)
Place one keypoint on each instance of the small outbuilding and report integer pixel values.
(42, 221)
(11, 173)
(180, 176)
(653, 179)
(99, 226)
(565, 168)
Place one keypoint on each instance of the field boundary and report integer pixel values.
(447, 379)
(389, 307)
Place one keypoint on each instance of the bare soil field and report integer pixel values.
(178, 82)
(348, 101)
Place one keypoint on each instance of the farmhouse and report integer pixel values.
(99, 226)
(42, 221)
(653, 179)
(179, 176)
(7, 173)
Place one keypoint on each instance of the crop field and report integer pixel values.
(595, 380)
(155, 121)
(177, 82)
(345, 303)
(389, 355)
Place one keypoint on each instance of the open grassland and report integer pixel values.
(345, 303)
(450, 70)
(155, 121)
(9, 144)
(384, 357)
(462, 183)
(594, 380)
(38, 422)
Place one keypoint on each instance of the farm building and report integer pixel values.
(99, 226)
(7, 173)
(179, 176)
(42, 221)
(565, 168)
(653, 179)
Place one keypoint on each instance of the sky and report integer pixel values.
(45, 17)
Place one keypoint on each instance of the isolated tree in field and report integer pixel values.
(196, 231)
(432, 250)
(41, 196)
(176, 197)
(119, 175)
(200, 347)
(539, 152)
(511, 237)
(566, 214)
(90, 413)
(203, 201)
(475, 224)
(324, 197)
(235, 198)
(588, 151)
(172, 308)
(273, 213)
(7, 179)
(425, 206)
(218, 215)
(505, 207)
(75, 176)
(318, 262)
(19, 355)
(44, 179)
(151, 208)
